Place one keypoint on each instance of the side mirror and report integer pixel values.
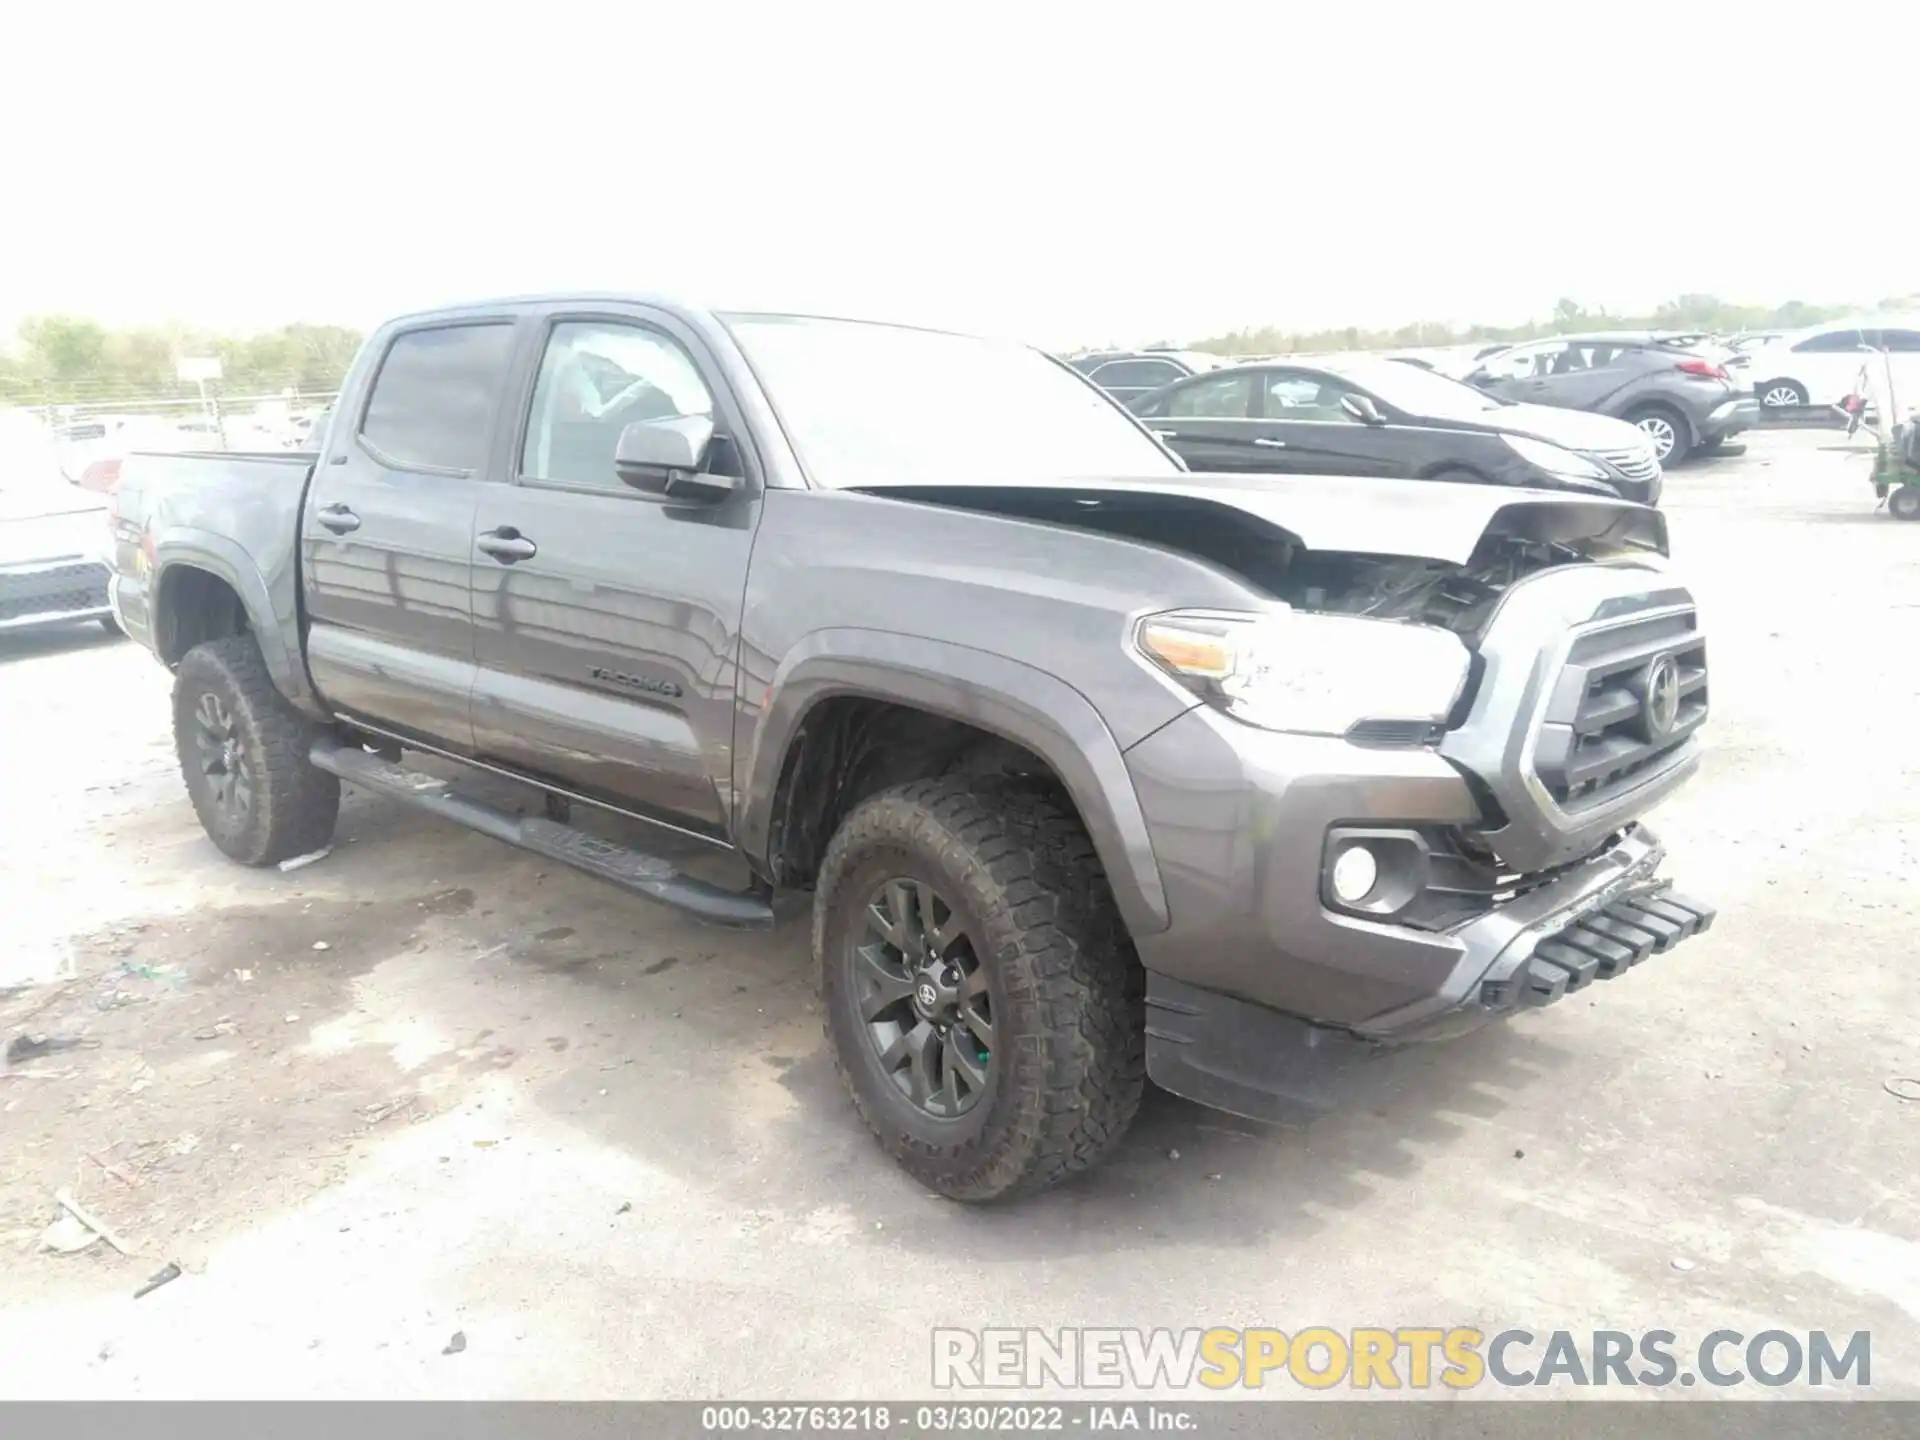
(668, 458)
(1361, 408)
(1482, 376)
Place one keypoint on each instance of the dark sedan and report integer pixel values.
(1363, 415)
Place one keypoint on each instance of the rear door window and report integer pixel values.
(434, 400)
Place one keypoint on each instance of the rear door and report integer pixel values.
(1208, 422)
(386, 539)
(607, 621)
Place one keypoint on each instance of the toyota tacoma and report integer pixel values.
(1097, 769)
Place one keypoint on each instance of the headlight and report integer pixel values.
(1553, 459)
(1310, 674)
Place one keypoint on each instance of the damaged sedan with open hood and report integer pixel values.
(1096, 769)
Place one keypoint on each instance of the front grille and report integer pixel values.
(1636, 464)
(1625, 706)
(56, 590)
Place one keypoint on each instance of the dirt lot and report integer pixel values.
(432, 1085)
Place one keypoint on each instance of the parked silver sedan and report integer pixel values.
(53, 538)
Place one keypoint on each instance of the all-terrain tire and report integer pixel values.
(1067, 990)
(292, 807)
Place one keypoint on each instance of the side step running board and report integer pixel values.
(628, 868)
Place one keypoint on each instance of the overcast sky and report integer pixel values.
(1068, 173)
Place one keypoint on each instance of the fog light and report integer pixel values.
(1355, 872)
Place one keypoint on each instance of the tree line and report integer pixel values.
(1706, 314)
(69, 360)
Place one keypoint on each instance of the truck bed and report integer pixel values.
(242, 508)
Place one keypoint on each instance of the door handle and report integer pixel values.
(1268, 444)
(1168, 434)
(338, 518)
(507, 545)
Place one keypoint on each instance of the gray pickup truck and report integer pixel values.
(1097, 769)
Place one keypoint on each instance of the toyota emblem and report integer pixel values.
(1660, 691)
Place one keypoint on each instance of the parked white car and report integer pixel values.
(1820, 365)
(54, 539)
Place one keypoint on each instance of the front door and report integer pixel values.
(607, 621)
(386, 540)
(1521, 374)
(1302, 411)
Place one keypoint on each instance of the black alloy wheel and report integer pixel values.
(924, 998)
(223, 761)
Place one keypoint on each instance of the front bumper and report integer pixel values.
(1248, 1060)
(1729, 418)
(1241, 821)
(52, 592)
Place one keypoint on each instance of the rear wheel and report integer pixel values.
(982, 998)
(1665, 430)
(1782, 394)
(243, 753)
(1904, 503)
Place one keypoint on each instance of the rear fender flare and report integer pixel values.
(276, 628)
(1005, 697)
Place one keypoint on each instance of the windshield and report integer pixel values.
(868, 405)
(1417, 391)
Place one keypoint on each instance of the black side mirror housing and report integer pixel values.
(667, 459)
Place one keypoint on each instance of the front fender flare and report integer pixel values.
(1005, 697)
(275, 624)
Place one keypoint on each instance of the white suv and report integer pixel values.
(1819, 366)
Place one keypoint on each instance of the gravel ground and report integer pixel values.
(431, 1085)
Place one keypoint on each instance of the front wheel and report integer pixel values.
(982, 998)
(1782, 394)
(243, 753)
(1667, 433)
(1904, 503)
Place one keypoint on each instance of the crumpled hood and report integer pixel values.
(1424, 519)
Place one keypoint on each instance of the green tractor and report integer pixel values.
(1896, 472)
(1896, 451)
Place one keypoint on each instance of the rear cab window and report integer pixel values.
(433, 402)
